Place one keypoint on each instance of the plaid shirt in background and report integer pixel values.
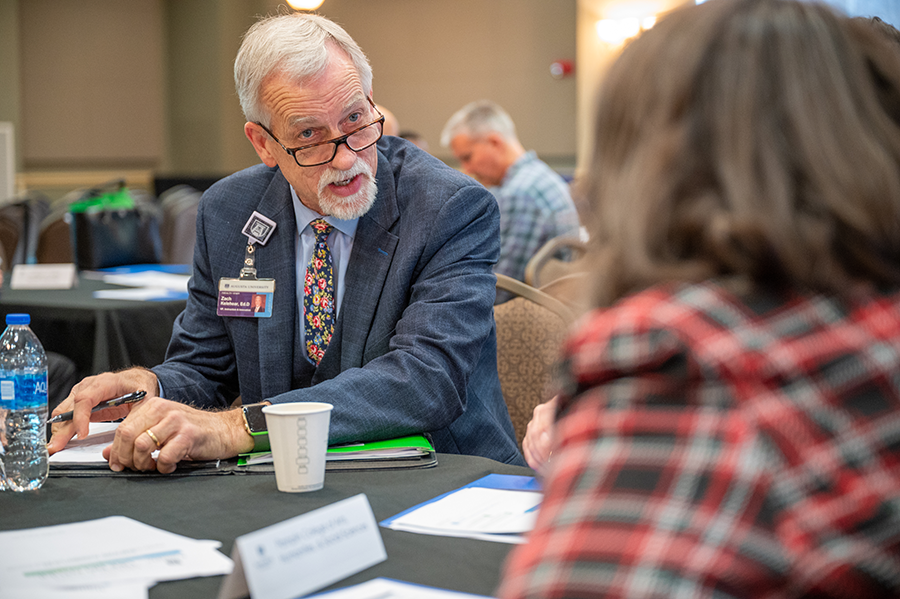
(535, 206)
(714, 447)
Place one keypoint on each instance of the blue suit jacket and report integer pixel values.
(414, 347)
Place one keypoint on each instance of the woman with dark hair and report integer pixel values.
(728, 423)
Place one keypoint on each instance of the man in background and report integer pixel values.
(535, 204)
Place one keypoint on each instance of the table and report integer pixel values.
(225, 507)
(98, 335)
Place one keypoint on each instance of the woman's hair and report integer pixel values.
(753, 141)
(886, 29)
(297, 44)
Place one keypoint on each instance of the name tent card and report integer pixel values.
(43, 276)
(306, 553)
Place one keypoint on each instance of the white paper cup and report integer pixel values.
(298, 435)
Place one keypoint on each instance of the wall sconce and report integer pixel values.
(305, 4)
(617, 31)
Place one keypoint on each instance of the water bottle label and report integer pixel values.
(34, 391)
(24, 391)
(7, 394)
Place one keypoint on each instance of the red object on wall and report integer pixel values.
(561, 68)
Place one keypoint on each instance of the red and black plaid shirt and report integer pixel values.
(711, 446)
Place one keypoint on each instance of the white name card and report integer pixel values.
(43, 276)
(306, 553)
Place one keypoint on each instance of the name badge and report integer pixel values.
(245, 298)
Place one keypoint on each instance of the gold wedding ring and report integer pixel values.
(152, 436)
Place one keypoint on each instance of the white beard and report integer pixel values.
(350, 207)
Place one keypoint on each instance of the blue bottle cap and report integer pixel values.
(18, 319)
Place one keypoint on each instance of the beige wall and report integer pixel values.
(595, 56)
(430, 57)
(205, 124)
(9, 68)
(91, 82)
(146, 84)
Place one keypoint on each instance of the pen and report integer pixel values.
(109, 403)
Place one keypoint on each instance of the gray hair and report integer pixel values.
(479, 118)
(295, 44)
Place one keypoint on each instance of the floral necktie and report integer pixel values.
(318, 294)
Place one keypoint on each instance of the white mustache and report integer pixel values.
(333, 175)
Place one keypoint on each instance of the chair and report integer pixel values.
(178, 231)
(55, 241)
(10, 231)
(530, 328)
(20, 221)
(558, 257)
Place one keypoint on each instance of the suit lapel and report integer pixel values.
(370, 261)
(276, 260)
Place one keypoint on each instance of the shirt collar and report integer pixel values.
(305, 215)
(521, 161)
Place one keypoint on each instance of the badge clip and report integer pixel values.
(248, 272)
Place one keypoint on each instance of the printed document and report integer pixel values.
(107, 551)
(497, 507)
(385, 588)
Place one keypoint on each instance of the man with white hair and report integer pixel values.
(535, 204)
(375, 259)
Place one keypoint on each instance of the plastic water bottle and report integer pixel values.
(23, 405)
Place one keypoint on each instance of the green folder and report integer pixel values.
(414, 451)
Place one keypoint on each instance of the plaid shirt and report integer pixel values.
(535, 207)
(710, 446)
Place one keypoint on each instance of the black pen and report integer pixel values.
(109, 403)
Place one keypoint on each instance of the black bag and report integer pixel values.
(106, 233)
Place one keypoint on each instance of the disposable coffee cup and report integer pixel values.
(298, 435)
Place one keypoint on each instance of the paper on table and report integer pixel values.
(385, 588)
(90, 449)
(110, 550)
(124, 590)
(490, 514)
(141, 294)
(147, 285)
(148, 278)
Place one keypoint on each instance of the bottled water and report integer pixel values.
(23, 406)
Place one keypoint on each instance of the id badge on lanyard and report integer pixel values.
(248, 296)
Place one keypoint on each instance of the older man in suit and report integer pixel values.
(377, 259)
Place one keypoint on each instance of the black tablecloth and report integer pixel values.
(98, 335)
(228, 506)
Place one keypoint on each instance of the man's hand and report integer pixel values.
(180, 432)
(91, 391)
(538, 439)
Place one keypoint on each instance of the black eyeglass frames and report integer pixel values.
(324, 152)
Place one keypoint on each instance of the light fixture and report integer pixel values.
(616, 31)
(305, 4)
(625, 20)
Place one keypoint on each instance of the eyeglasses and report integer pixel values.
(325, 151)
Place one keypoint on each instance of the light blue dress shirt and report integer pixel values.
(340, 241)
